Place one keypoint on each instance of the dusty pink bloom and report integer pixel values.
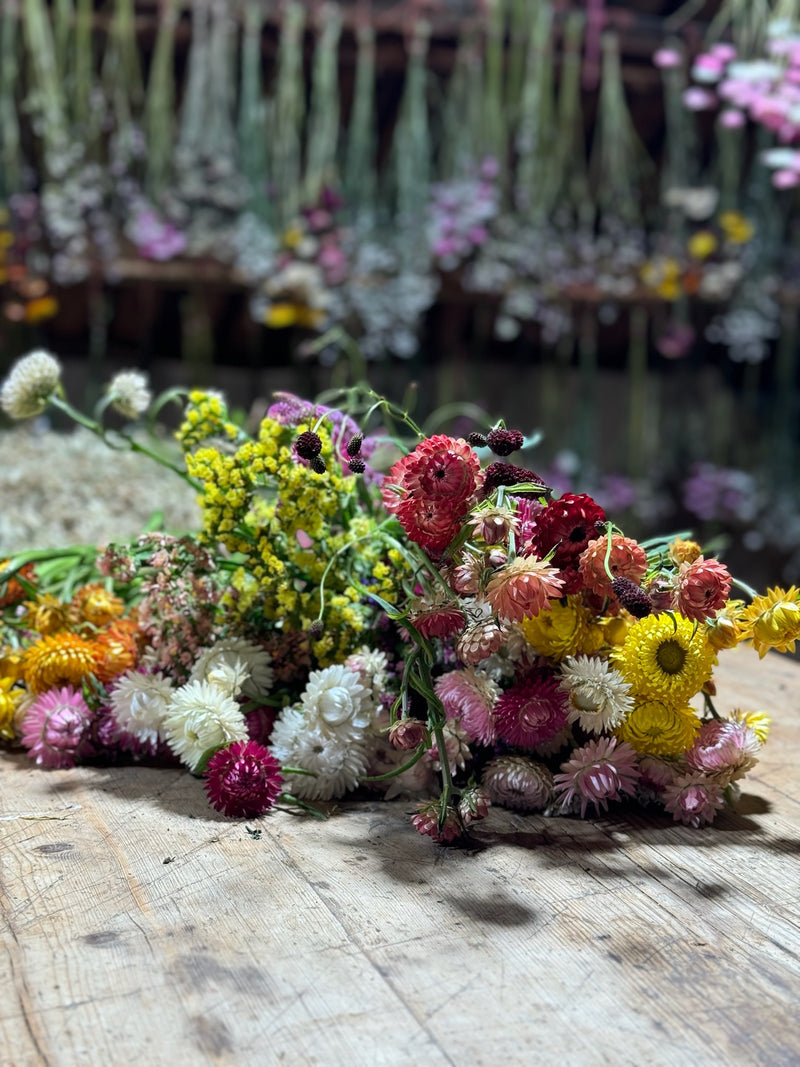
(480, 639)
(465, 577)
(727, 750)
(597, 773)
(470, 695)
(523, 588)
(473, 804)
(702, 588)
(519, 783)
(667, 59)
(655, 774)
(493, 525)
(408, 734)
(456, 745)
(627, 559)
(426, 822)
(55, 728)
(531, 712)
(436, 616)
(243, 780)
(693, 799)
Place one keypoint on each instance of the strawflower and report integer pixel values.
(693, 799)
(138, 702)
(55, 726)
(773, 620)
(57, 660)
(333, 761)
(655, 728)
(627, 559)
(201, 717)
(601, 771)
(531, 712)
(518, 782)
(523, 588)
(426, 822)
(702, 588)
(665, 657)
(470, 695)
(567, 628)
(243, 780)
(599, 696)
(725, 750)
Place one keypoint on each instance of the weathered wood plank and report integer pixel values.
(141, 927)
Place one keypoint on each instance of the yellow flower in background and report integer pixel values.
(283, 314)
(292, 237)
(664, 276)
(96, 605)
(757, 721)
(566, 628)
(10, 663)
(40, 309)
(702, 244)
(656, 728)
(665, 657)
(773, 620)
(47, 614)
(737, 229)
(680, 551)
(6, 239)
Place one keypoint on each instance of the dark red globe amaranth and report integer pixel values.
(308, 444)
(497, 474)
(243, 780)
(504, 442)
(632, 597)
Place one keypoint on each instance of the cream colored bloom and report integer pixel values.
(30, 384)
(200, 717)
(130, 393)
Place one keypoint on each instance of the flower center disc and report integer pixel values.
(671, 657)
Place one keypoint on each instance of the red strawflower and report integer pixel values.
(429, 524)
(441, 468)
(531, 712)
(243, 780)
(566, 525)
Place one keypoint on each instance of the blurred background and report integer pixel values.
(582, 217)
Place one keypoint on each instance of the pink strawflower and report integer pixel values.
(243, 780)
(55, 728)
(481, 639)
(598, 772)
(727, 750)
(473, 804)
(523, 588)
(655, 774)
(426, 822)
(702, 588)
(471, 695)
(693, 799)
(531, 712)
(407, 734)
(627, 559)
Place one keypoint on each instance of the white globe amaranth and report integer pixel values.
(31, 382)
(130, 393)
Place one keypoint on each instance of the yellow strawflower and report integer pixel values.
(665, 657)
(9, 701)
(656, 728)
(566, 628)
(773, 620)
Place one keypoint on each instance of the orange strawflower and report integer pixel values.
(117, 650)
(47, 615)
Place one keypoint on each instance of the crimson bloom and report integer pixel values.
(243, 780)
(566, 525)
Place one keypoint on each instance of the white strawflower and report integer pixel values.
(228, 651)
(139, 703)
(130, 392)
(199, 717)
(599, 697)
(334, 700)
(230, 678)
(372, 667)
(30, 384)
(336, 761)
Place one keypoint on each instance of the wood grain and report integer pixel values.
(141, 928)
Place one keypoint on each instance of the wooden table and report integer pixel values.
(141, 928)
